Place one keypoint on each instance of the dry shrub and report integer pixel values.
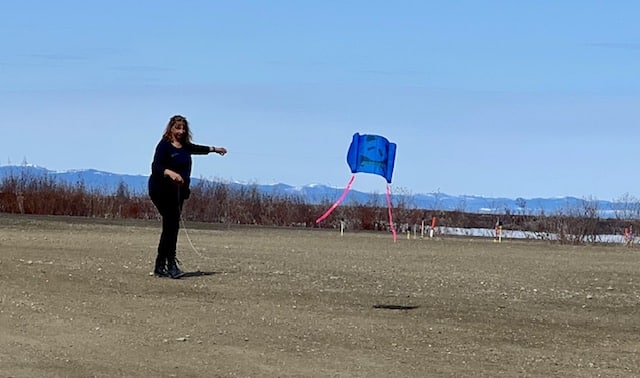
(217, 202)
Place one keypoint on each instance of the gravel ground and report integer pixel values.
(77, 300)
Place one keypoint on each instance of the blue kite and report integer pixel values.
(369, 154)
(372, 154)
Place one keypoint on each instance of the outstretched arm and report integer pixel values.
(197, 149)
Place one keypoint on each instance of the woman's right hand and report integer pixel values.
(175, 177)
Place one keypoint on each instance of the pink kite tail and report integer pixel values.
(344, 194)
(393, 228)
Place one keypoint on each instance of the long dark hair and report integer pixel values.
(186, 138)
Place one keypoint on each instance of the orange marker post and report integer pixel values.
(433, 226)
(628, 236)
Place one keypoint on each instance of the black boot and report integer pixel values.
(161, 267)
(172, 268)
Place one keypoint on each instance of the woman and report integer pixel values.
(169, 187)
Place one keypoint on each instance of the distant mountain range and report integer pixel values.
(137, 184)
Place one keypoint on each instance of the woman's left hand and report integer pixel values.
(219, 150)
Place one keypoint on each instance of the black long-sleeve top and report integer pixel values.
(167, 156)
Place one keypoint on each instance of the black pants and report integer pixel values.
(169, 203)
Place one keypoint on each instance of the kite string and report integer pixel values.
(393, 228)
(344, 194)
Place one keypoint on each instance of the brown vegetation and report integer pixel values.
(216, 202)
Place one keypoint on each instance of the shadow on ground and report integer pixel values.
(198, 274)
(394, 307)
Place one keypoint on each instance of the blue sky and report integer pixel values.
(490, 98)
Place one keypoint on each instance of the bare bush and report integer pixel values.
(575, 225)
(627, 207)
(217, 202)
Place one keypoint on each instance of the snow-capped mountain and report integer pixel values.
(108, 182)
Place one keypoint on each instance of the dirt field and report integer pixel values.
(77, 300)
